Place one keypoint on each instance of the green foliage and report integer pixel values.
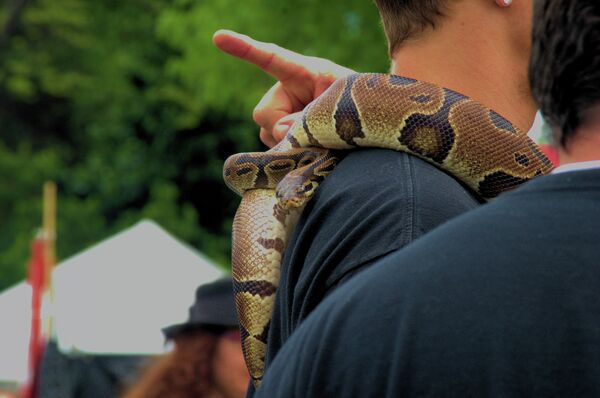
(131, 110)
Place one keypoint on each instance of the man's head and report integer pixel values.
(406, 19)
(565, 64)
(403, 19)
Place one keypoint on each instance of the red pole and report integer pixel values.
(36, 278)
(40, 270)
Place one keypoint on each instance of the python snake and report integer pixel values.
(453, 132)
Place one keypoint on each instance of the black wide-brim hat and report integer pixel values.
(214, 307)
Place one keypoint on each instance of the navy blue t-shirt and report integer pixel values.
(375, 202)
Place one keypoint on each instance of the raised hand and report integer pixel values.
(300, 80)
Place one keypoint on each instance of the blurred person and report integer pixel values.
(376, 201)
(206, 360)
(502, 301)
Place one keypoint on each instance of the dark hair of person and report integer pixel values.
(185, 372)
(565, 63)
(403, 19)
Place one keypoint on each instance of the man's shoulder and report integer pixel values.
(372, 166)
(399, 181)
(373, 203)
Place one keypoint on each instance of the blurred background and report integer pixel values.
(130, 109)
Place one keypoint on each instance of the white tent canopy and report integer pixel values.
(113, 298)
(15, 318)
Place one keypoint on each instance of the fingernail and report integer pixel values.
(507, 2)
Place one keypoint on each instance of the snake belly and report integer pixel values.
(447, 129)
(260, 231)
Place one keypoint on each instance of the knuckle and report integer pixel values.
(266, 137)
(260, 115)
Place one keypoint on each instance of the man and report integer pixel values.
(377, 201)
(502, 301)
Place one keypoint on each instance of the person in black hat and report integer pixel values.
(207, 358)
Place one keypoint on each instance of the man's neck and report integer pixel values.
(475, 60)
(584, 146)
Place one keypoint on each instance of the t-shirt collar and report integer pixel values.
(594, 164)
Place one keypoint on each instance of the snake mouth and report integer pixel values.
(288, 201)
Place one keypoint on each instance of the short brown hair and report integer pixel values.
(405, 18)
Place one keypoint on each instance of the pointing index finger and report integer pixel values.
(280, 63)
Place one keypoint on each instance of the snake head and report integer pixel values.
(295, 191)
(298, 186)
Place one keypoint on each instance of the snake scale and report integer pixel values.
(453, 132)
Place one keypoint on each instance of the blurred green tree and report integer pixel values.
(131, 110)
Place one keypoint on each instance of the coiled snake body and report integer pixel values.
(456, 134)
